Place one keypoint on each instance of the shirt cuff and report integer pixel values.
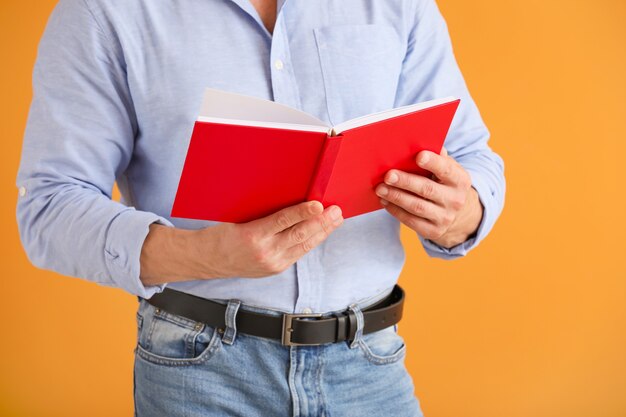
(124, 241)
(487, 200)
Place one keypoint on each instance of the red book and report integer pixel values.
(249, 157)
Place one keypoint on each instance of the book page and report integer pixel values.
(387, 114)
(226, 107)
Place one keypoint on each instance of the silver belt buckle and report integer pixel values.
(288, 330)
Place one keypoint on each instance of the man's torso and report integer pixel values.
(334, 59)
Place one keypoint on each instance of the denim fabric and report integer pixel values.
(185, 368)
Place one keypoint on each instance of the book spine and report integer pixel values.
(324, 170)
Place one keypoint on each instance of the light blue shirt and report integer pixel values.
(117, 88)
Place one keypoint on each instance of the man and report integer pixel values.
(117, 87)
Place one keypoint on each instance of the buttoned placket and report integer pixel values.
(285, 91)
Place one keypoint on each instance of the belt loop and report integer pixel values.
(342, 326)
(358, 331)
(230, 334)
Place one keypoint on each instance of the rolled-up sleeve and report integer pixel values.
(78, 140)
(430, 71)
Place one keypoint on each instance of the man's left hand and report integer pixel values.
(444, 208)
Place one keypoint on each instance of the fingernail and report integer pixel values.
(382, 191)
(393, 177)
(383, 202)
(335, 213)
(424, 160)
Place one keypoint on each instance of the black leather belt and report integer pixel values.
(290, 329)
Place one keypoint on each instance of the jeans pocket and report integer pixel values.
(383, 346)
(168, 339)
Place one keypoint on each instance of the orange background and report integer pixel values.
(531, 323)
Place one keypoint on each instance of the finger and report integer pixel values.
(413, 204)
(417, 184)
(423, 227)
(445, 168)
(287, 217)
(329, 220)
(301, 249)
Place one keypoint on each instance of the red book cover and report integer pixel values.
(249, 157)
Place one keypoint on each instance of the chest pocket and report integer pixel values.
(360, 67)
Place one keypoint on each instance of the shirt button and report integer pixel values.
(278, 64)
(307, 310)
(22, 191)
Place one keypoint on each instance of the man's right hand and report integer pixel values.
(255, 249)
(270, 245)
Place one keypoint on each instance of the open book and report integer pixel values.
(249, 157)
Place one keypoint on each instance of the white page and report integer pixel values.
(226, 107)
(388, 114)
(288, 126)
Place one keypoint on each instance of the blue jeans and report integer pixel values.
(186, 368)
